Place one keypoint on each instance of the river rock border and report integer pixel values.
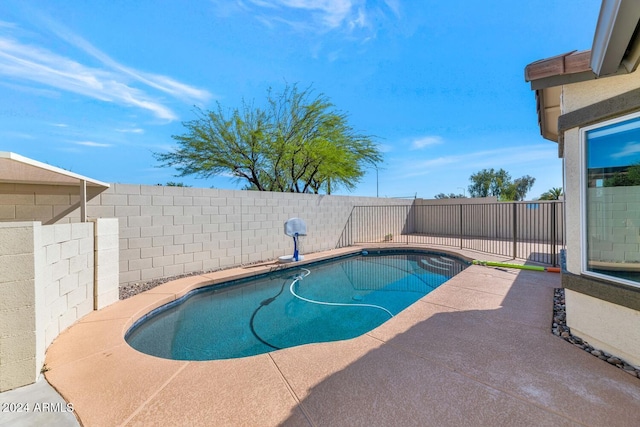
(560, 328)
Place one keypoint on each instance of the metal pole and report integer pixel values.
(460, 225)
(554, 261)
(515, 230)
(83, 200)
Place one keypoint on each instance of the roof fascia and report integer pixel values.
(616, 26)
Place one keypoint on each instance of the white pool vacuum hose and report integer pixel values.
(339, 304)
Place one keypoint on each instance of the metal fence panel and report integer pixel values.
(524, 230)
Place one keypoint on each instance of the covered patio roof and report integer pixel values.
(16, 169)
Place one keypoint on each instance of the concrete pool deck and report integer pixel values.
(476, 351)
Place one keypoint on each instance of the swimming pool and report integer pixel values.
(326, 301)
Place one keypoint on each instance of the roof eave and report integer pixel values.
(22, 170)
(615, 31)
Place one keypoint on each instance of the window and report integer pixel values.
(611, 224)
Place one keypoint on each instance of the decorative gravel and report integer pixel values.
(127, 291)
(561, 329)
(131, 289)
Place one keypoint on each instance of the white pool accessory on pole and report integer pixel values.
(294, 227)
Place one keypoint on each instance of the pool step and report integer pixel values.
(440, 265)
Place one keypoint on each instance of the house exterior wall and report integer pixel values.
(604, 325)
(573, 200)
(582, 94)
(574, 97)
(603, 313)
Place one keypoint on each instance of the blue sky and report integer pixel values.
(97, 87)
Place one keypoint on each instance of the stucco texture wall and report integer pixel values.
(605, 325)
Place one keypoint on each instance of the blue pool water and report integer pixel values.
(328, 301)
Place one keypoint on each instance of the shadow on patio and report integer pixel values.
(483, 355)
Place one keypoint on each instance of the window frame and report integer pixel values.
(583, 200)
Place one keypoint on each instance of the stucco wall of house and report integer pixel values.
(582, 94)
(573, 200)
(604, 325)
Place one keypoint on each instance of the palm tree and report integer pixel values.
(554, 194)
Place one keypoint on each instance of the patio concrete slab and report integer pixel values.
(251, 385)
(477, 351)
(387, 386)
(85, 339)
(107, 387)
(525, 301)
(526, 363)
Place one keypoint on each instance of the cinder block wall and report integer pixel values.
(107, 268)
(21, 332)
(47, 284)
(49, 204)
(68, 272)
(168, 231)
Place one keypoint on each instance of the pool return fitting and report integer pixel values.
(518, 266)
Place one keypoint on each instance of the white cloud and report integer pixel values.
(320, 15)
(630, 149)
(111, 83)
(331, 12)
(92, 144)
(385, 148)
(499, 158)
(132, 130)
(394, 5)
(5, 24)
(16, 135)
(425, 141)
